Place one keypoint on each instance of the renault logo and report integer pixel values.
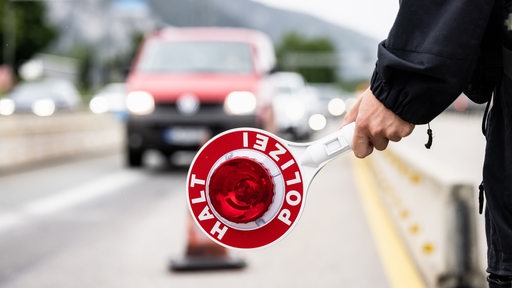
(188, 104)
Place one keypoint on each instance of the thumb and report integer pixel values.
(352, 113)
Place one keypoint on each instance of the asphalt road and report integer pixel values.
(92, 223)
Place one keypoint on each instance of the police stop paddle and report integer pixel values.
(246, 187)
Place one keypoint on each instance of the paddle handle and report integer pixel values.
(328, 147)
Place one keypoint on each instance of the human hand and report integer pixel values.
(376, 125)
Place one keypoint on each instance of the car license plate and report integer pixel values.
(185, 135)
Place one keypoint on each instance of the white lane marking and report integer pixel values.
(68, 198)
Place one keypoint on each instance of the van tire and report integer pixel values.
(134, 157)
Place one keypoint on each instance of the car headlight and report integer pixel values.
(43, 107)
(336, 107)
(7, 107)
(99, 105)
(240, 103)
(140, 102)
(317, 122)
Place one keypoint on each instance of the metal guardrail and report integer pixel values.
(26, 138)
(435, 214)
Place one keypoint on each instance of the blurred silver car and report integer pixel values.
(330, 100)
(110, 99)
(292, 104)
(42, 97)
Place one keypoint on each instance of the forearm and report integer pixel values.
(429, 55)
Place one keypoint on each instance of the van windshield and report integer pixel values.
(196, 57)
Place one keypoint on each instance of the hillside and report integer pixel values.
(357, 52)
(102, 24)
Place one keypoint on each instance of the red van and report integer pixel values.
(188, 84)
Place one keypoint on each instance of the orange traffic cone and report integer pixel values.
(204, 254)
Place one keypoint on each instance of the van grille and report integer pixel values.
(203, 108)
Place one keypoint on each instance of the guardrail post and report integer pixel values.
(462, 263)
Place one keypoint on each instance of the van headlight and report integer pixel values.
(140, 103)
(240, 103)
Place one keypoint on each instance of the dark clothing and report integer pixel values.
(436, 50)
(429, 55)
(496, 281)
(498, 181)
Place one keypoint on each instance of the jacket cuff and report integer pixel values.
(385, 95)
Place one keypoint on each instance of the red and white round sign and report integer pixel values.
(245, 189)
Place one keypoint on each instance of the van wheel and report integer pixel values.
(134, 157)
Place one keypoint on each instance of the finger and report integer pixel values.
(404, 130)
(361, 145)
(407, 129)
(380, 143)
(363, 150)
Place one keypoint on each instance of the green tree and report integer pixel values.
(314, 58)
(84, 55)
(24, 31)
(118, 67)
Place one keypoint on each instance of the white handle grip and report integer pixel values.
(328, 147)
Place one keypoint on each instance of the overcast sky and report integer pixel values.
(371, 17)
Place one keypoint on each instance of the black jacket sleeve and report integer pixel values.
(429, 55)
